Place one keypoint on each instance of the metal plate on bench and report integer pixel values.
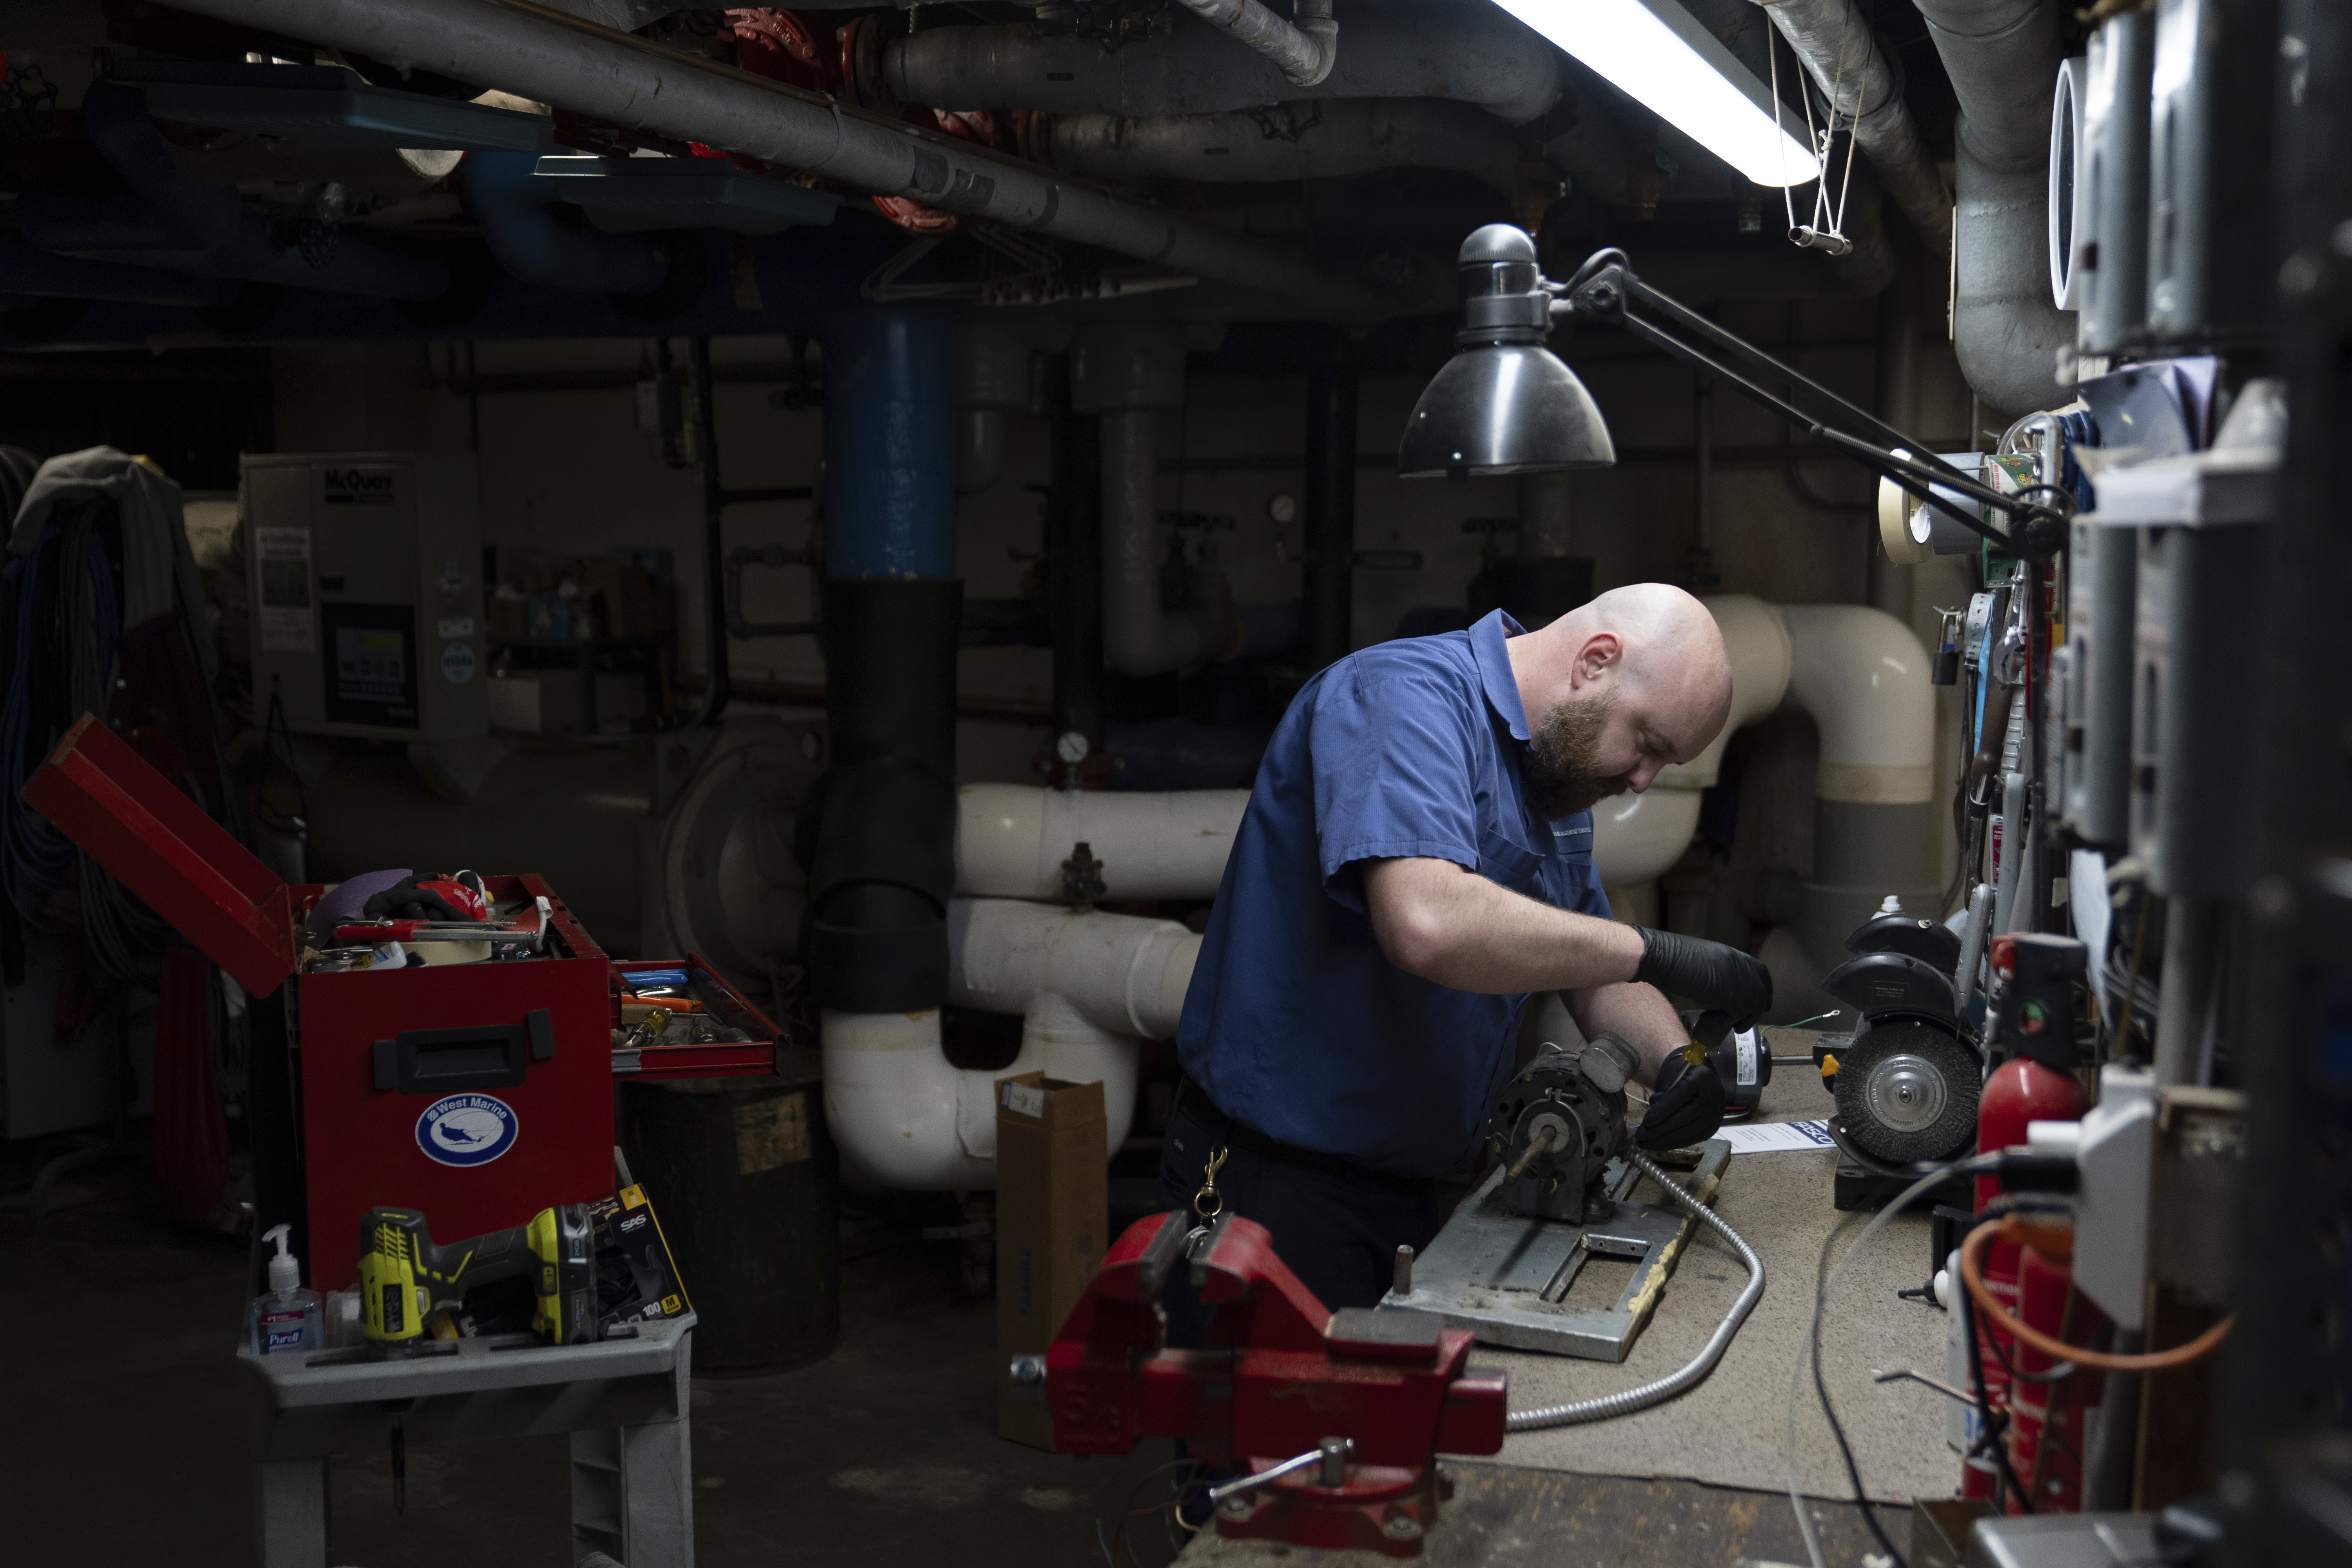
(1506, 1277)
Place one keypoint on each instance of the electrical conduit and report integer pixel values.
(1303, 53)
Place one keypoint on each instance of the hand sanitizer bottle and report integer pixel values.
(286, 1316)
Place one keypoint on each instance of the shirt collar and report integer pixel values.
(1486, 640)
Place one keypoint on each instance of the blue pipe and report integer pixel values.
(889, 442)
(537, 244)
(46, 275)
(171, 221)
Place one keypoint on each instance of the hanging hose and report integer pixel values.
(1608, 1407)
(2001, 1319)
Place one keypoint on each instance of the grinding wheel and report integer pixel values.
(1909, 1092)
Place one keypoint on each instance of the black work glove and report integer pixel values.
(1686, 1107)
(405, 900)
(1707, 971)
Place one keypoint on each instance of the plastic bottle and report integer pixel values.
(286, 1316)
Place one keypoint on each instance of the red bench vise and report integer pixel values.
(1339, 1416)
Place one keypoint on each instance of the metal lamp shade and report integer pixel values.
(1503, 408)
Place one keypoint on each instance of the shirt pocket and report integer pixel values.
(1503, 858)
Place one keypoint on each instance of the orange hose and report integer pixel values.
(1972, 1276)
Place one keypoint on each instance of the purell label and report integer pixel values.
(281, 1331)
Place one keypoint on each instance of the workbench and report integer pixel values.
(1544, 1496)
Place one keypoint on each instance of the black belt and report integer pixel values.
(1194, 1104)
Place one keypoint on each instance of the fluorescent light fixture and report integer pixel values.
(1657, 54)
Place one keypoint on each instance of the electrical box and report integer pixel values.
(365, 578)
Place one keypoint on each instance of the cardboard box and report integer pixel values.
(1053, 1209)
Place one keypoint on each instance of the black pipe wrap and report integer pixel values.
(882, 856)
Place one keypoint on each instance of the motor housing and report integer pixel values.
(1578, 1099)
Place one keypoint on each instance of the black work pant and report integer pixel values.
(1337, 1230)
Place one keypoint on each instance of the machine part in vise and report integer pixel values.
(1506, 1276)
(1557, 1126)
(1907, 1091)
(1382, 1393)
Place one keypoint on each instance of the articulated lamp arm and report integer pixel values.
(1606, 290)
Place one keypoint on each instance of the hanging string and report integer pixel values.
(1827, 231)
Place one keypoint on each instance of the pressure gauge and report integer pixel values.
(1283, 508)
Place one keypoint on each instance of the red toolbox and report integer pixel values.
(477, 1093)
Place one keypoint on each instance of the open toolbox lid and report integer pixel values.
(100, 793)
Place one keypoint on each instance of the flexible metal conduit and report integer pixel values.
(1305, 53)
(575, 65)
(1608, 1407)
(1833, 37)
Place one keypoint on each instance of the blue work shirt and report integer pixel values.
(1296, 1022)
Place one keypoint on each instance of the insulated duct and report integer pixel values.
(167, 220)
(1333, 138)
(587, 69)
(1470, 54)
(1127, 373)
(1833, 39)
(1303, 53)
(992, 380)
(2002, 58)
(515, 209)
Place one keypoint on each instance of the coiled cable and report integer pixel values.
(1608, 1407)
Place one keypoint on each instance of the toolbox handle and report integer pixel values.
(481, 1056)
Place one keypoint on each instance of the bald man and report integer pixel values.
(1416, 860)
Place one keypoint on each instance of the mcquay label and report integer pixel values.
(466, 1129)
(355, 487)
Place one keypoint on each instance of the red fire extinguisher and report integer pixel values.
(2031, 1022)
(2049, 1420)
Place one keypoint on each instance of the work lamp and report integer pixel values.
(1505, 404)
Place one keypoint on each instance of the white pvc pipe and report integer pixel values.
(1638, 837)
(1864, 678)
(1086, 986)
(1011, 840)
(1755, 640)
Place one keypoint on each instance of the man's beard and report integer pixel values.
(1562, 775)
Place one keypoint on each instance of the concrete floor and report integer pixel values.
(126, 1440)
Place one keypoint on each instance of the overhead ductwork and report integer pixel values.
(1470, 54)
(2002, 58)
(579, 67)
(1833, 39)
(1303, 53)
(1319, 140)
(167, 220)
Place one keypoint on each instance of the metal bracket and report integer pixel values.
(1506, 1277)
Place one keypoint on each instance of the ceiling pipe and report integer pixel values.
(1303, 53)
(1477, 56)
(1833, 39)
(1348, 136)
(2002, 58)
(577, 65)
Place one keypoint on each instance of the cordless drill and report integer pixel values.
(404, 1276)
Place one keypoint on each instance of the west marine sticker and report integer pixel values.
(466, 1129)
